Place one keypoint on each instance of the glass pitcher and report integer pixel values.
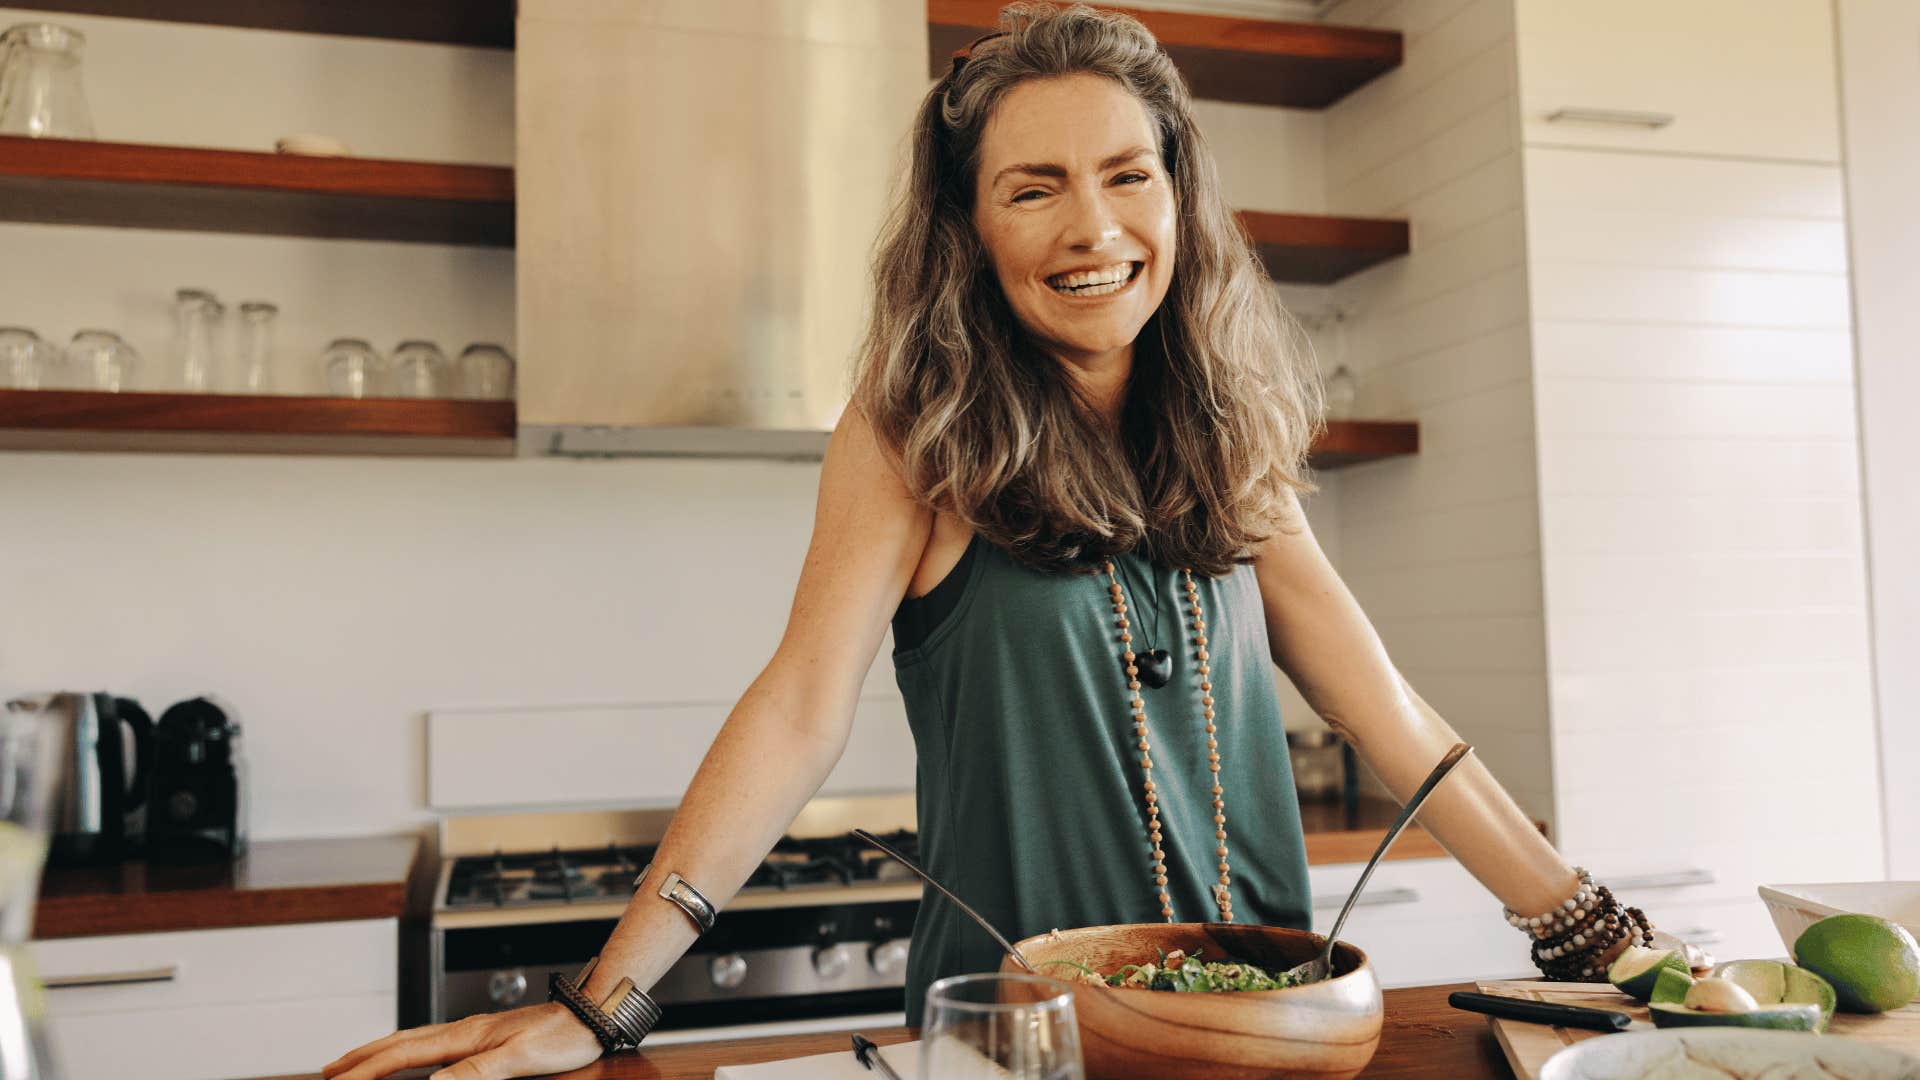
(40, 93)
(29, 758)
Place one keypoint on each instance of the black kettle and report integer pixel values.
(100, 779)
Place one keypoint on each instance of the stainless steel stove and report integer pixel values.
(817, 937)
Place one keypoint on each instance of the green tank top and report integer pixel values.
(1029, 775)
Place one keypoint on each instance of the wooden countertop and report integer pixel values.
(1422, 1037)
(1335, 837)
(276, 881)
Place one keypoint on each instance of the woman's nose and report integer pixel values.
(1093, 225)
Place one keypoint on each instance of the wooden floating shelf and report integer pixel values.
(1315, 249)
(243, 423)
(1356, 442)
(1252, 61)
(1255, 61)
(445, 22)
(75, 182)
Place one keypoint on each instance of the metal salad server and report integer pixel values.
(1321, 966)
(948, 893)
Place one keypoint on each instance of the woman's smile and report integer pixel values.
(1091, 284)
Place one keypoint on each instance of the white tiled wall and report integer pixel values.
(1442, 550)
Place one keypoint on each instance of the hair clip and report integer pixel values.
(965, 52)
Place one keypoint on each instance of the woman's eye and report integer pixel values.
(1027, 196)
(1132, 178)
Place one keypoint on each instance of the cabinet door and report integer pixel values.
(1752, 78)
(249, 1001)
(1421, 921)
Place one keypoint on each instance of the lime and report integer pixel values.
(1774, 983)
(1873, 964)
(1777, 1017)
(1636, 970)
(1671, 987)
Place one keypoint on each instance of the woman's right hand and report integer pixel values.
(533, 1041)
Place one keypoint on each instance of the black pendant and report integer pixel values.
(1155, 667)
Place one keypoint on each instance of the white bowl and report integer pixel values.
(1736, 1052)
(1796, 907)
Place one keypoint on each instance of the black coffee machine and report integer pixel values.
(197, 809)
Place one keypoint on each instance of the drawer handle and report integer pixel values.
(1700, 935)
(112, 978)
(1677, 880)
(1376, 898)
(1612, 116)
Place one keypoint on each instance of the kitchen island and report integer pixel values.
(1423, 1037)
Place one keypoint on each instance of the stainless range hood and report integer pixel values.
(699, 187)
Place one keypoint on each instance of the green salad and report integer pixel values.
(1180, 972)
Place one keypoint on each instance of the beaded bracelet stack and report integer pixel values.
(1570, 940)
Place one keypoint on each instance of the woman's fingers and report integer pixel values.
(360, 1053)
(496, 1064)
(406, 1049)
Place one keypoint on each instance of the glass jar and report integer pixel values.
(1319, 765)
(420, 370)
(354, 369)
(485, 371)
(26, 361)
(99, 360)
(40, 92)
(254, 373)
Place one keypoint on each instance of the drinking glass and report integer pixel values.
(29, 758)
(255, 375)
(353, 369)
(485, 371)
(26, 361)
(420, 370)
(99, 360)
(196, 318)
(40, 93)
(1019, 1027)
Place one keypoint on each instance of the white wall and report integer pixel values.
(334, 601)
(1880, 101)
(1442, 550)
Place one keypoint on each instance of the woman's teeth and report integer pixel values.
(1094, 282)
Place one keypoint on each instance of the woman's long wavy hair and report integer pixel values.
(1223, 402)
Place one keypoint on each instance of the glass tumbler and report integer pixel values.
(26, 361)
(29, 764)
(255, 372)
(1018, 1027)
(99, 360)
(195, 323)
(40, 94)
(485, 371)
(420, 370)
(354, 370)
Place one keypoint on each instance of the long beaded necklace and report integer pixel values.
(1222, 895)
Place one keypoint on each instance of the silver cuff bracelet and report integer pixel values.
(685, 897)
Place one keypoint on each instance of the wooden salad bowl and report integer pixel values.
(1326, 1030)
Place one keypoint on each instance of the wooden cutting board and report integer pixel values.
(1528, 1046)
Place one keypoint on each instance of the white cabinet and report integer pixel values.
(253, 1001)
(1746, 78)
(1421, 921)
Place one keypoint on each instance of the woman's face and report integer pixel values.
(1077, 213)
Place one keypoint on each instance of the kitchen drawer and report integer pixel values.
(260, 1038)
(1730, 930)
(1421, 952)
(193, 968)
(1752, 78)
(1400, 890)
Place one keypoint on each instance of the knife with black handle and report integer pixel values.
(1540, 1012)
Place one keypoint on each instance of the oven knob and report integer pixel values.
(889, 958)
(507, 987)
(830, 962)
(727, 971)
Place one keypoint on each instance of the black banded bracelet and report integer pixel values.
(561, 989)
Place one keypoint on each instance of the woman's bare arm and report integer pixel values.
(1325, 644)
(774, 751)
